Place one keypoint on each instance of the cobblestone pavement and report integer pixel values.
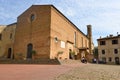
(92, 72)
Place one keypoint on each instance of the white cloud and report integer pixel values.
(70, 12)
(103, 15)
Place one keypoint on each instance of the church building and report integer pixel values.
(43, 32)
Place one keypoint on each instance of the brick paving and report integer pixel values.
(29, 72)
(75, 71)
(32, 71)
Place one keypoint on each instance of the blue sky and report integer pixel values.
(103, 15)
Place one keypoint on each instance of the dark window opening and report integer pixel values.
(70, 56)
(115, 51)
(114, 41)
(102, 43)
(32, 17)
(103, 51)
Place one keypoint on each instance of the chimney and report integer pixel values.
(89, 35)
(111, 35)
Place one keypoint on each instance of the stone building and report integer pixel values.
(109, 49)
(7, 40)
(1, 30)
(44, 31)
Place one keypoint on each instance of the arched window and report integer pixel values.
(32, 17)
(75, 39)
(10, 35)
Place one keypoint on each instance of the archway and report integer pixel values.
(117, 60)
(29, 51)
(70, 55)
(9, 53)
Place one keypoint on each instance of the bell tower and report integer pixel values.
(89, 35)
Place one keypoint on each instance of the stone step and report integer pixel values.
(30, 61)
(69, 61)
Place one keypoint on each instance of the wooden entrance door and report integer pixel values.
(29, 51)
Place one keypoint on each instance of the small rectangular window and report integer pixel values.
(102, 42)
(115, 51)
(11, 36)
(82, 41)
(114, 41)
(103, 51)
(85, 43)
(75, 39)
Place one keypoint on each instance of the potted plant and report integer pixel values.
(73, 54)
(59, 53)
(33, 54)
(20, 56)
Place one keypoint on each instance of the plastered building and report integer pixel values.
(44, 31)
(7, 40)
(109, 49)
(1, 43)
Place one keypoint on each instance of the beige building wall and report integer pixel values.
(7, 40)
(64, 30)
(2, 27)
(109, 49)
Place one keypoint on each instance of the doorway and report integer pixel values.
(70, 54)
(69, 49)
(9, 53)
(116, 60)
(29, 51)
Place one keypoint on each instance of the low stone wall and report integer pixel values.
(30, 61)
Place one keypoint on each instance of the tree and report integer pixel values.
(95, 53)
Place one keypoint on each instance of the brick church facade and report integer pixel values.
(44, 31)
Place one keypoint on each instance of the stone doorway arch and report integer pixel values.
(9, 53)
(29, 51)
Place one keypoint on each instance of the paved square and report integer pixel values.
(31, 72)
(59, 72)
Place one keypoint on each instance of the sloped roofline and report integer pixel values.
(69, 20)
(12, 24)
(106, 38)
(60, 14)
(9, 24)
